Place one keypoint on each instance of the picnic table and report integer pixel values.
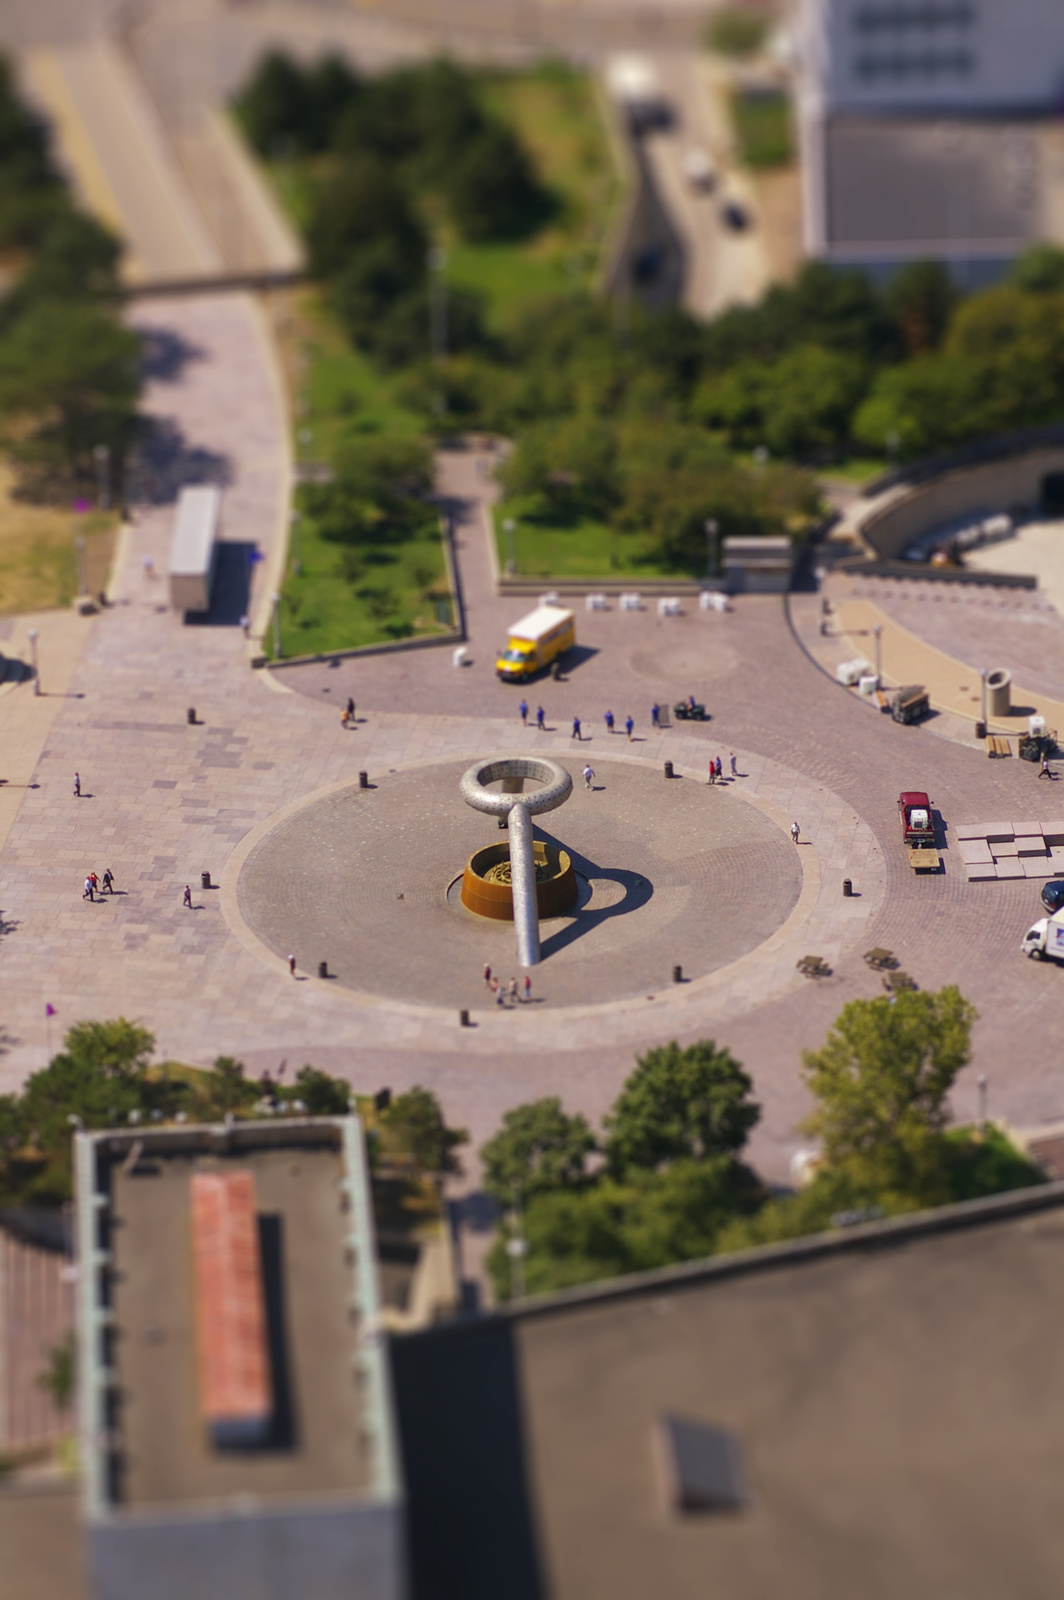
(814, 967)
(898, 982)
(881, 959)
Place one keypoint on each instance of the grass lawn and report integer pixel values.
(328, 604)
(859, 469)
(38, 563)
(585, 549)
(763, 128)
(557, 116)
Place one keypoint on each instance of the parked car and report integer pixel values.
(1053, 896)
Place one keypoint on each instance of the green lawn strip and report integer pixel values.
(400, 592)
(763, 128)
(342, 392)
(582, 549)
(859, 469)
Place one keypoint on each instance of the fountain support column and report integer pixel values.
(523, 883)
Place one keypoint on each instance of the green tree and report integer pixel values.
(76, 258)
(72, 369)
(97, 1080)
(921, 296)
(1040, 270)
(680, 1104)
(359, 208)
(275, 105)
(227, 1089)
(571, 465)
(881, 1082)
(414, 1125)
(491, 188)
(539, 1146)
(323, 1095)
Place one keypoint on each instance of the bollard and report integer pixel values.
(463, 1019)
(363, 780)
(980, 730)
(677, 974)
(668, 769)
(847, 888)
(323, 969)
(205, 880)
(191, 715)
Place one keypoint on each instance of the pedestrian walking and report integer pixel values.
(539, 718)
(712, 771)
(345, 717)
(655, 713)
(487, 975)
(87, 895)
(513, 990)
(109, 880)
(734, 767)
(245, 625)
(149, 567)
(498, 991)
(795, 832)
(523, 708)
(351, 708)
(608, 720)
(187, 899)
(589, 775)
(576, 734)
(77, 786)
(628, 726)
(292, 965)
(94, 880)
(1045, 770)
(720, 769)
(528, 988)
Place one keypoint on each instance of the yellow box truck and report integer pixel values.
(536, 641)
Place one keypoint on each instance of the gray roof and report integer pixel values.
(893, 1392)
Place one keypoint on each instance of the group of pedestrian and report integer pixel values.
(513, 991)
(96, 886)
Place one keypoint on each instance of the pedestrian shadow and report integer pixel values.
(638, 892)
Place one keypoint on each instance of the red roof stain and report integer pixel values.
(234, 1383)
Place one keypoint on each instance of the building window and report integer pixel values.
(928, 66)
(933, 14)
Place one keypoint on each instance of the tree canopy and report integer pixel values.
(538, 1147)
(693, 1103)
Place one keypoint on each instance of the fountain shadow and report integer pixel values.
(580, 921)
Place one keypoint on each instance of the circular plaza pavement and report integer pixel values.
(671, 873)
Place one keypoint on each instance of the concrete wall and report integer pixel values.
(892, 520)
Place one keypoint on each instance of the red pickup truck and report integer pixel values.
(918, 829)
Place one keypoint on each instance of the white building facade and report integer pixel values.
(930, 127)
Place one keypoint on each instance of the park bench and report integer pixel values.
(996, 746)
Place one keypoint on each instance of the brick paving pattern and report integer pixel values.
(165, 800)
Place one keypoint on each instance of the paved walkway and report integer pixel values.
(165, 800)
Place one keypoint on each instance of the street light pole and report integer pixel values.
(981, 1080)
(32, 637)
(101, 455)
(511, 557)
(79, 547)
(983, 671)
(877, 629)
(711, 527)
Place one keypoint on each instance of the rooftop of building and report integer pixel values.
(893, 1393)
(313, 1228)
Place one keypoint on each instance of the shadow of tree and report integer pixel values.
(166, 463)
(166, 354)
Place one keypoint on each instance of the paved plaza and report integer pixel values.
(733, 901)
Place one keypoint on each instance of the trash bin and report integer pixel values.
(205, 880)
(999, 692)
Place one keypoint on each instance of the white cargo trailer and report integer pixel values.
(194, 547)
